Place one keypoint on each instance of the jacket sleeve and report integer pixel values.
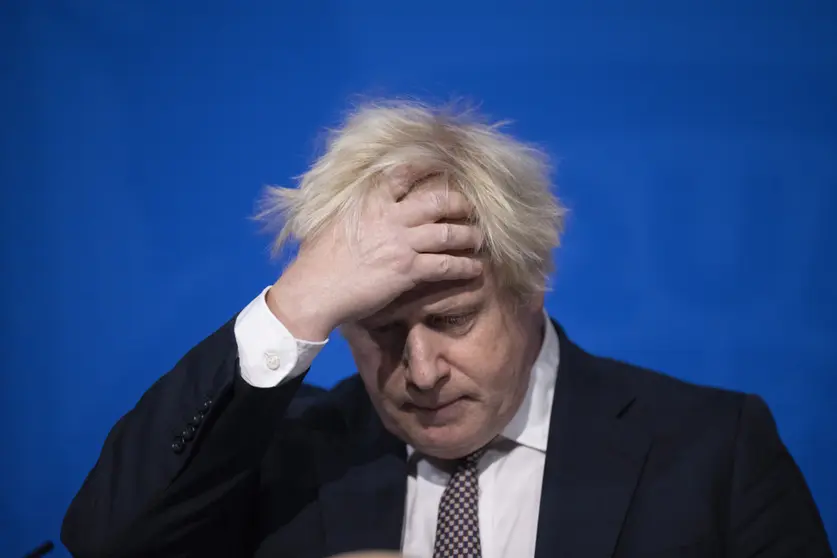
(178, 475)
(772, 512)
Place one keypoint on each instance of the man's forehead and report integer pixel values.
(433, 298)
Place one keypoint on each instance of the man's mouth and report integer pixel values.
(431, 407)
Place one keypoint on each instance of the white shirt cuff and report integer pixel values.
(268, 353)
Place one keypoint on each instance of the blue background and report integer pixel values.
(698, 154)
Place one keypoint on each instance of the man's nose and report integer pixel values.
(423, 363)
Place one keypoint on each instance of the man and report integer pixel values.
(474, 426)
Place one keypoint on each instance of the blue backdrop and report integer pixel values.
(698, 153)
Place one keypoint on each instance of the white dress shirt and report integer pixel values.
(510, 472)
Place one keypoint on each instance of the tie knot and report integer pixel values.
(472, 459)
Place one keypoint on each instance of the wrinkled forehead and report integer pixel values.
(435, 299)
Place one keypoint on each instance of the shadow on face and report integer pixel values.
(447, 365)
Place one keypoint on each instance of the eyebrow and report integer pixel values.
(457, 308)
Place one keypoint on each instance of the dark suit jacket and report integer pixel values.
(638, 464)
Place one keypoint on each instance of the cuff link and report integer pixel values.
(272, 361)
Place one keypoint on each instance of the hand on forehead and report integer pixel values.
(439, 182)
(435, 298)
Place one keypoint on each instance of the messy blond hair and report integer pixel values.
(506, 180)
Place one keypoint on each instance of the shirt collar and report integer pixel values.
(530, 425)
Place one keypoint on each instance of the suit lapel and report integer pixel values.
(363, 504)
(595, 457)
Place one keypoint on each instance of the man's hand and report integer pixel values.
(404, 238)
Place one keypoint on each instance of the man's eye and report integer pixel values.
(451, 321)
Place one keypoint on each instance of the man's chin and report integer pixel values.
(444, 442)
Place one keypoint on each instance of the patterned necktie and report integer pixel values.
(457, 525)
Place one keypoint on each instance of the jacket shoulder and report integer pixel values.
(666, 402)
(665, 387)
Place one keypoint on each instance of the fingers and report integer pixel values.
(446, 267)
(433, 205)
(423, 195)
(444, 237)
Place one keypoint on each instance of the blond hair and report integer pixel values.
(506, 180)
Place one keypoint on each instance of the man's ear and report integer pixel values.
(536, 302)
(530, 304)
